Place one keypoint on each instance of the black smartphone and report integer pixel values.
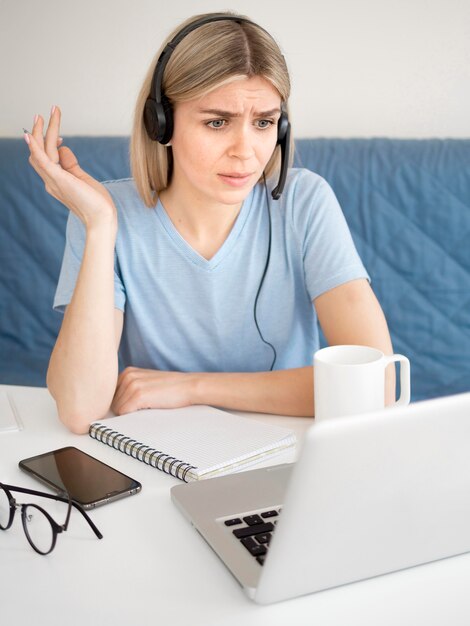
(89, 482)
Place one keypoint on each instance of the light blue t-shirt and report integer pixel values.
(185, 313)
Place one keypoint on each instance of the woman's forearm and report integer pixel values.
(83, 368)
(283, 392)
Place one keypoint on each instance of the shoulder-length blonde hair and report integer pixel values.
(207, 57)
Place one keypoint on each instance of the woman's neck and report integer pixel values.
(204, 226)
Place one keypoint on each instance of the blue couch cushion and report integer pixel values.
(407, 203)
(32, 230)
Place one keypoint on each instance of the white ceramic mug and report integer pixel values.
(351, 379)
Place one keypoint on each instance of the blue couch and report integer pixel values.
(407, 203)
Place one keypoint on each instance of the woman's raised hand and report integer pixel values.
(64, 179)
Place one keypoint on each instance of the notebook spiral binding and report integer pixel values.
(132, 447)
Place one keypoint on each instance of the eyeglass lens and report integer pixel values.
(38, 528)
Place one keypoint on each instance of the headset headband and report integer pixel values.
(166, 53)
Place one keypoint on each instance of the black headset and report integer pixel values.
(158, 114)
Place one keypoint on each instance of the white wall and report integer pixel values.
(397, 68)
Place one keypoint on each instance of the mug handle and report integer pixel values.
(404, 377)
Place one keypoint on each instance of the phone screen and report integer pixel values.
(89, 482)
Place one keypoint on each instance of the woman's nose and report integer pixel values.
(241, 146)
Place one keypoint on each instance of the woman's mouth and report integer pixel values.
(235, 179)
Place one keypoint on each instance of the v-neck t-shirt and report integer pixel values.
(183, 312)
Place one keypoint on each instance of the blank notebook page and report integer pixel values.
(202, 436)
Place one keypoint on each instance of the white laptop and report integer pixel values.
(370, 494)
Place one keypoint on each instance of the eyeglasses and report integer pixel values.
(40, 529)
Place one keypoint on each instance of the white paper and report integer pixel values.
(9, 419)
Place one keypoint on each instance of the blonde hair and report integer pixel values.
(207, 57)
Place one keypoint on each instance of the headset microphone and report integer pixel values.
(283, 139)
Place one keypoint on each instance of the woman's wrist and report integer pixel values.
(102, 223)
(196, 387)
(222, 389)
(102, 230)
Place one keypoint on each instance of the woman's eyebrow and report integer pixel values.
(222, 113)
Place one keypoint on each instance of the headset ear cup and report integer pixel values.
(158, 120)
(150, 119)
(167, 114)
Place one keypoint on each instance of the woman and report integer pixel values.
(209, 288)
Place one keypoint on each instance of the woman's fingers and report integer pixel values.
(52, 140)
(52, 134)
(39, 159)
(121, 387)
(68, 162)
(38, 131)
(63, 177)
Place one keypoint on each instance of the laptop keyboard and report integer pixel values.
(255, 531)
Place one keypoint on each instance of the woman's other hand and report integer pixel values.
(64, 179)
(139, 388)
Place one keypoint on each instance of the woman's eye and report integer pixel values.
(216, 123)
(264, 123)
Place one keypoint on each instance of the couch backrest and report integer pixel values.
(407, 203)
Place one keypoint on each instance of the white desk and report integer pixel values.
(153, 566)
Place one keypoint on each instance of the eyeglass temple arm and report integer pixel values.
(54, 497)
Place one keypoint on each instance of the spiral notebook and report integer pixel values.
(192, 443)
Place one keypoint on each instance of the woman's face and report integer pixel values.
(222, 141)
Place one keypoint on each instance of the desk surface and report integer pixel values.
(152, 565)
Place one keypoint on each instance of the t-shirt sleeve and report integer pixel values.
(329, 254)
(71, 262)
